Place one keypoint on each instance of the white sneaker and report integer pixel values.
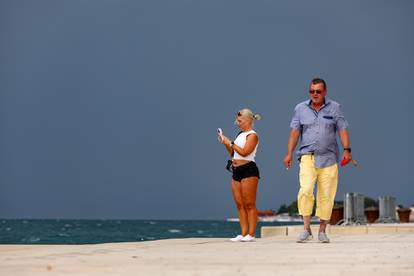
(248, 238)
(237, 238)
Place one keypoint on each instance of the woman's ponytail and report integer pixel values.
(257, 117)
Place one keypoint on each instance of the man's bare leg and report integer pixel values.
(322, 226)
(306, 223)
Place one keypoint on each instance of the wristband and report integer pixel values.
(347, 149)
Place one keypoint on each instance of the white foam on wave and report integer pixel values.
(34, 239)
(174, 230)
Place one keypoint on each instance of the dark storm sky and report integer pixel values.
(108, 109)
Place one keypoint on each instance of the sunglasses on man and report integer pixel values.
(315, 91)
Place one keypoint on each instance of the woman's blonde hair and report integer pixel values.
(247, 113)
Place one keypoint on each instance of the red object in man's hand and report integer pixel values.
(345, 161)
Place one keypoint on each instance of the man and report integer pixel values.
(316, 122)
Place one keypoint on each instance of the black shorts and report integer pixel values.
(244, 171)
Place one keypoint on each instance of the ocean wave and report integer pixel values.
(174, 230)
(32, 239)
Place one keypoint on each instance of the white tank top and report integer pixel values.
(241, 142)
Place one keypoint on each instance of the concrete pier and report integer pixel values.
(361, 254)
(271, 231)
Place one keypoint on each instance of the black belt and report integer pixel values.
(312, 153)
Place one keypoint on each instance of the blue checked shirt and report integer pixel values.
(318, 131)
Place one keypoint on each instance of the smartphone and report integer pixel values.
(220, 133)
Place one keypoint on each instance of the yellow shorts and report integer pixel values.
(327, 180)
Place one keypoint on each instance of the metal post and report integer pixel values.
(387, 209)
(354, 209)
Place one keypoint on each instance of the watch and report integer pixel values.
(231, 144)
(347, 149)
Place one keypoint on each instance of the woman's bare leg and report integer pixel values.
(241, 210)
(248, 191)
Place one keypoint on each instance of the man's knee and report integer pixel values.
(306, 191)
(323, 198)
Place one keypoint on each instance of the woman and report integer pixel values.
(245, 173)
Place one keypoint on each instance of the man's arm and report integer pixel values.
(342, 125)
(344, 136)
(293, 141)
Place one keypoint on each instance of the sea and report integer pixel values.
(69, 231)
